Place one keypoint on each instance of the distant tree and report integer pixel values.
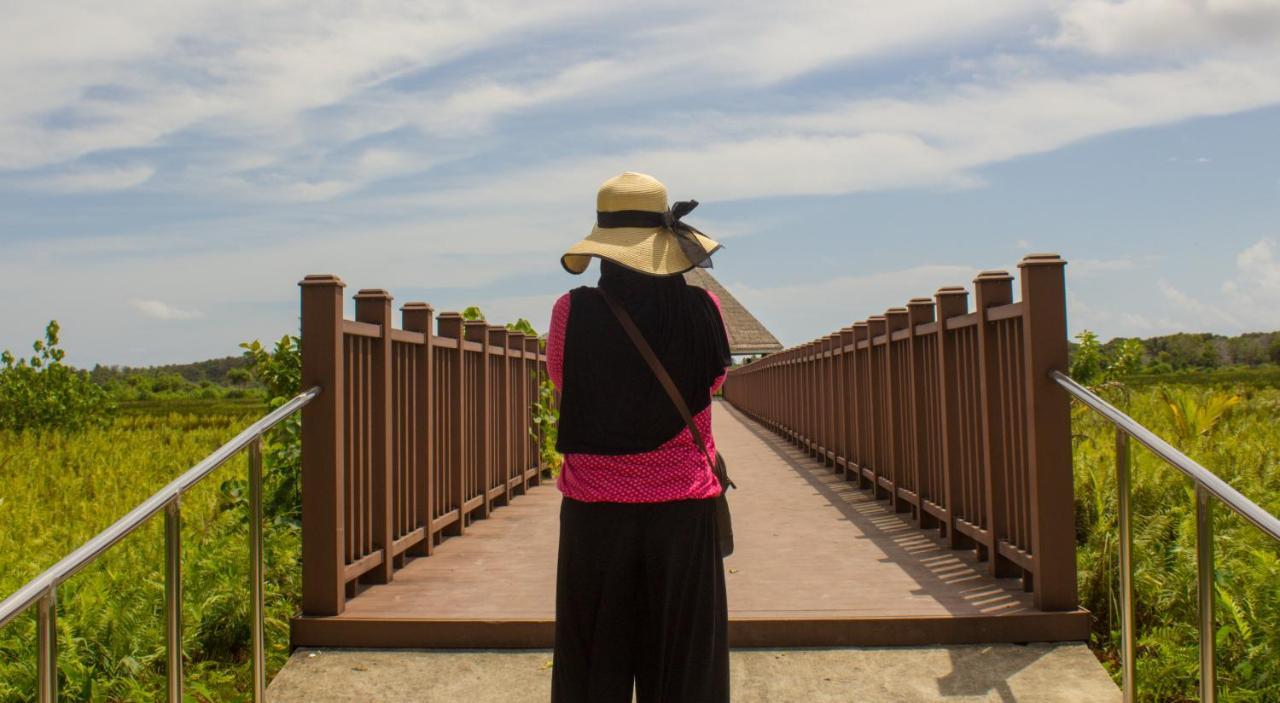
(1274, 350)
(44, 393)
(1248, 349)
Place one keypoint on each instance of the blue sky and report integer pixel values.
(169, 171)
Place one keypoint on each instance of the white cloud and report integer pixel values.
(933, 140)
(1168, 27)
(81, 180)
(160, 310)
(1194, 313)
(1255, 291)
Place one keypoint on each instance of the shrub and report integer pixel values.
(44, 393)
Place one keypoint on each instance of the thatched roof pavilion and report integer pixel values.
(746, 334)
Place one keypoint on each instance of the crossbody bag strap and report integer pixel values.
(659, 370)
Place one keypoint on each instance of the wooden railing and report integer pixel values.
(947, 414)
(417, 433)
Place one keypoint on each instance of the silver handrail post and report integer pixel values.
(1204, 572)
(255, 572)
(1128, 633)
(173, 595)
(47, 646)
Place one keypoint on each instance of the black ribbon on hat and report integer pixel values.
(670, 220)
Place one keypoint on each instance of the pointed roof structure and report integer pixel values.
(746, 334)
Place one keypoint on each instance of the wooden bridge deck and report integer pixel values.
(818, 563)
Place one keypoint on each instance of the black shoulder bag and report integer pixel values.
(723, 521)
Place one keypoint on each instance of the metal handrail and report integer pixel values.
(42, 590)
(1208, 486)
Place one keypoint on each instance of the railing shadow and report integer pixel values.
(953, 578)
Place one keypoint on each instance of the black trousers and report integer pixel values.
(640, 599)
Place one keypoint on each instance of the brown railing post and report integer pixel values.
(449, 325)
(896, 401)
(520, 433)
(533, 348)
(373, 305)
(991, 289)
(919, 312)
(416, 317)
(877, 434)
(846, 402)
(323, 561)
(862, 398)
(501, 441)
(477, 331)
(950, 302)
(1049, 432)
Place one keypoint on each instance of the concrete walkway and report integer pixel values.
(1043, 673)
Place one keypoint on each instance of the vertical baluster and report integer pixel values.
(1204, 584)
(47, 646)
(323, 531)
(257, 601)
(1128, 628)
(173, 597)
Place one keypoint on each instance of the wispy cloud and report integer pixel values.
(95, 180)
(160, 310)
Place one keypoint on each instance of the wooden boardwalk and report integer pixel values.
(818, 563)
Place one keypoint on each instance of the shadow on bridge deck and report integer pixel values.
(818, 563)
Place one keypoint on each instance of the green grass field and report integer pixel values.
(57, 489)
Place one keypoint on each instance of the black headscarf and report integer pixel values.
(611, 402)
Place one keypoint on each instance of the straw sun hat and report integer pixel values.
(635, 228)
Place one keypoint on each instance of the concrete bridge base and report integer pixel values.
(1044, 673)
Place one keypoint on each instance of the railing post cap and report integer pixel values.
(321, 279)
(473, 323)
(860, 323)
(919, 302)
(417, 305)
(372, 294)
(1042, 260)
(450, 315)
(952, 290)
(993, 276)
(895, 311)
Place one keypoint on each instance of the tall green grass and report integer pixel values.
(57, 489)
(1243, 447)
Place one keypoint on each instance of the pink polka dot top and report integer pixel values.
(677, 470)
